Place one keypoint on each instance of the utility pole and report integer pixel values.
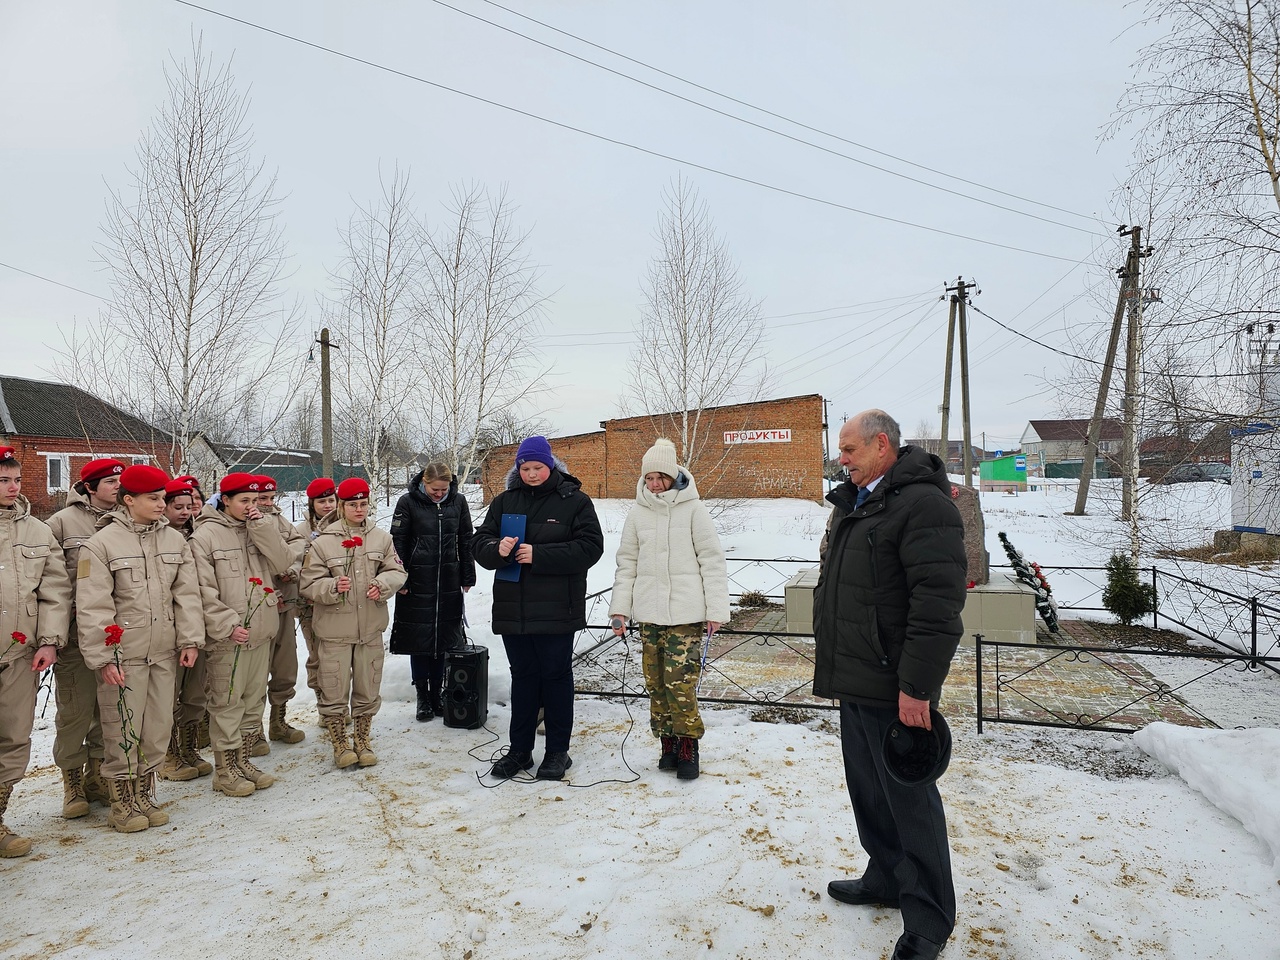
(1128, 294)
(957, 320)
(944, 431)
(326, 405)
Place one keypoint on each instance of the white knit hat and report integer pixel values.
(660, 458)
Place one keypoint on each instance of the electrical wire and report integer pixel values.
(778, 116)
(757, 126)
(784, 191)
(56, 283)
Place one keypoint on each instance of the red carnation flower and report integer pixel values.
(19, 637)
(357, 541)
(114, 633)
(268, 590)
(256, 581)
(349, 544)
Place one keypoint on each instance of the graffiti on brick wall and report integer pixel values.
(768, 482)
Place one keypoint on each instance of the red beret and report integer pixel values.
(189, 480)
(321, 487)
(6, 453)
(353, 488)
(100, 469)
(177, 488)
(240, 483)
(141, 478)
(268, 483)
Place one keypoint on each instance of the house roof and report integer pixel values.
(1075, 430)
(38, 408)
(260, 457)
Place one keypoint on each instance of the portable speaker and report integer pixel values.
(466, 687)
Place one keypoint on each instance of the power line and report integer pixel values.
(752, 123)
(613, 140)
(767, 112)
(56, 283)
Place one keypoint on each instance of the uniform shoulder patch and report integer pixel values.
(82, 568)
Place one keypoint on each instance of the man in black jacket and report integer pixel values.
(886, 619)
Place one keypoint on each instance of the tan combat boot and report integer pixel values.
(343, 755)
(11, 845)
(227, 777)
(188, 737)
(74, 802)
(259, 778)
(125, 816)
(145, 800)
(95, 785)
(280, 728)
(255, 744)
(175, 766)
(202, 732)
(364, 751)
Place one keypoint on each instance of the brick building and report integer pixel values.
(56, 429)
(773, 448)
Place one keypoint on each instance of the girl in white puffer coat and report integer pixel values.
(672, 581)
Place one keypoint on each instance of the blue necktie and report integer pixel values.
(863, 493)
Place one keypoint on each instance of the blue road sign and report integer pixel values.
(1020, 463)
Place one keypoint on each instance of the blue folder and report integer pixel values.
(513, 525)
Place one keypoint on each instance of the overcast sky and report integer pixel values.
(1008, 95)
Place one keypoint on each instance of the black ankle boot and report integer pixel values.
(425, 711)
(687, 758)
(667, 761)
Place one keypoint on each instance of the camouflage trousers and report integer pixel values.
(672, 665)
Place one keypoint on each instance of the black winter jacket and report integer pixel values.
(886, 610)
(434, 544)
(561, 526)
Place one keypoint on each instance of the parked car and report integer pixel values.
(1197, 473)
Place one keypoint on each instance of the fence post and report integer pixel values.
(1155, 599)
(1253, 626)
(977, 667)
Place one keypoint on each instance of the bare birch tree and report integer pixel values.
(372, 317)
(700, 334)
(481, 313)
(195, 338)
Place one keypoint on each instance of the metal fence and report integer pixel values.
(1092, 688)
(754, 667)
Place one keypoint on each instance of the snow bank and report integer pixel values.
(1238, 771)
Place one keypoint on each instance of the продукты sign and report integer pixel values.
(757, 436)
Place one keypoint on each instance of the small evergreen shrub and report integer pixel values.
(1125, 595)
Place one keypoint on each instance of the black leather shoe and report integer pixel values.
(553, 766)
(856, 893)
(912, 946)
(511, 764)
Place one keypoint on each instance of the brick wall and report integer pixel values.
(34, 454)
(608, 461)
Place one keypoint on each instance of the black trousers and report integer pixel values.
(541, 677)
(427, 673)
(902, 829)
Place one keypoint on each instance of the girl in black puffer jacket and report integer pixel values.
(431, 529)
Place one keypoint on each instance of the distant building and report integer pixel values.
(292, 469)
(1065, 441)
(773, 448)
(955, 452)
(56, 429)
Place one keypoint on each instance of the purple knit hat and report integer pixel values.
(536, 449)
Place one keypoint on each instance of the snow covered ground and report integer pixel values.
(1066, 844)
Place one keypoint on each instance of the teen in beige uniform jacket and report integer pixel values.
(140, 577)
(348, 634)
(282, 681)
(35, 601)
(77, 741)
(228, 553)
